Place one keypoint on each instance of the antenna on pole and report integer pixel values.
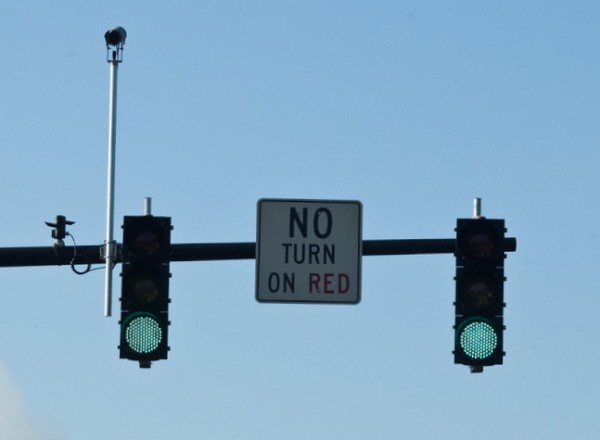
(115, 39)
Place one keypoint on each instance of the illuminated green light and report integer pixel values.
(478, 339)
(143, 333)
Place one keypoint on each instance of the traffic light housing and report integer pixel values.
(145, 289)
(479, 321)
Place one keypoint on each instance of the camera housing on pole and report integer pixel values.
(115, 40)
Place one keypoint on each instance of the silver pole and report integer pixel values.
(115, 39)
(476, 207)
(147, 205)
(110, 244)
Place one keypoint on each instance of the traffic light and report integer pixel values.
(479, 325)
(145, 289)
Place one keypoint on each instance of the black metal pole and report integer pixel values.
(82, 255)
(50, 256)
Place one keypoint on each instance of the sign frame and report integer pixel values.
(308, 251)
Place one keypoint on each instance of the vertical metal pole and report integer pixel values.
(110, 244)
(476, 207)
(147, 205)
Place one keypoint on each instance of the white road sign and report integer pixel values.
(308, 251)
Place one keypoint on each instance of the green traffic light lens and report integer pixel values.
(143, 333)
(478, 339)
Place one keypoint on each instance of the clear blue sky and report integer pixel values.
(412, 107)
